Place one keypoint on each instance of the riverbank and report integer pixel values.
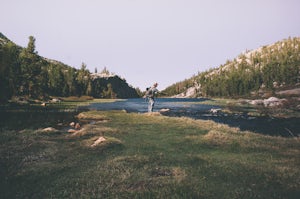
(134, 155)
(284, 108)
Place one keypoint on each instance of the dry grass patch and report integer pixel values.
(101, 141)
(92, 115)
(92, 130)
(216, 137)
(152, 114)
(204, 124)
(47, 130)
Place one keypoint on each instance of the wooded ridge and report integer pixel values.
(254, 73)
(25, 73)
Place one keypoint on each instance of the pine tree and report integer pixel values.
(30, 70)
(9, 71)
(83, 78)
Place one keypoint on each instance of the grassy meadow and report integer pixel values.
(130, 155)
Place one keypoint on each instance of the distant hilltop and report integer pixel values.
(105, 73)
(101, 75)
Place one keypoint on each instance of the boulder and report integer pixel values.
(164, 110)
(272, 102)
(72, 124)
(55, 100)
(215, 110)
(98, 141)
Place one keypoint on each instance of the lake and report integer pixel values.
(180, 107)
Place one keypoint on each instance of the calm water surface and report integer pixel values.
(190, 108)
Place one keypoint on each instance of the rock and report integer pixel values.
(72, 124)
(272, 101)
(164, 110)
(48, 130)
(44, 104)
(189, 93)
(215, 110)
(74, 127)
(55, 100)
(77, 126)
(98, 141)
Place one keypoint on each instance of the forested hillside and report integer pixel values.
(268, 68)
(24, 73)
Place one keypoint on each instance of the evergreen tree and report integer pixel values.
(9, 71)
(30, 70)
(83, 78)
(56, 80)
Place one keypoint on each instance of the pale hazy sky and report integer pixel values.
(147, 41)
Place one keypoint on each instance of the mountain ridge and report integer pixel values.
(268, 68)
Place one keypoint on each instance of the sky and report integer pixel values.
(147, 41)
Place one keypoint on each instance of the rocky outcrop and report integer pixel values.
(112, 86)
(270, 102)
(189, 93)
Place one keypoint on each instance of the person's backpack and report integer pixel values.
(149, 92)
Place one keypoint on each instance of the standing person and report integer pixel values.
(150, 94)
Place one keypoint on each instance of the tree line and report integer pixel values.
(24, 73)
(268, 68)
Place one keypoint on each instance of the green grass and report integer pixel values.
(148, 156)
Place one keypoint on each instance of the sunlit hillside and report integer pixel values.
(268, 68)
